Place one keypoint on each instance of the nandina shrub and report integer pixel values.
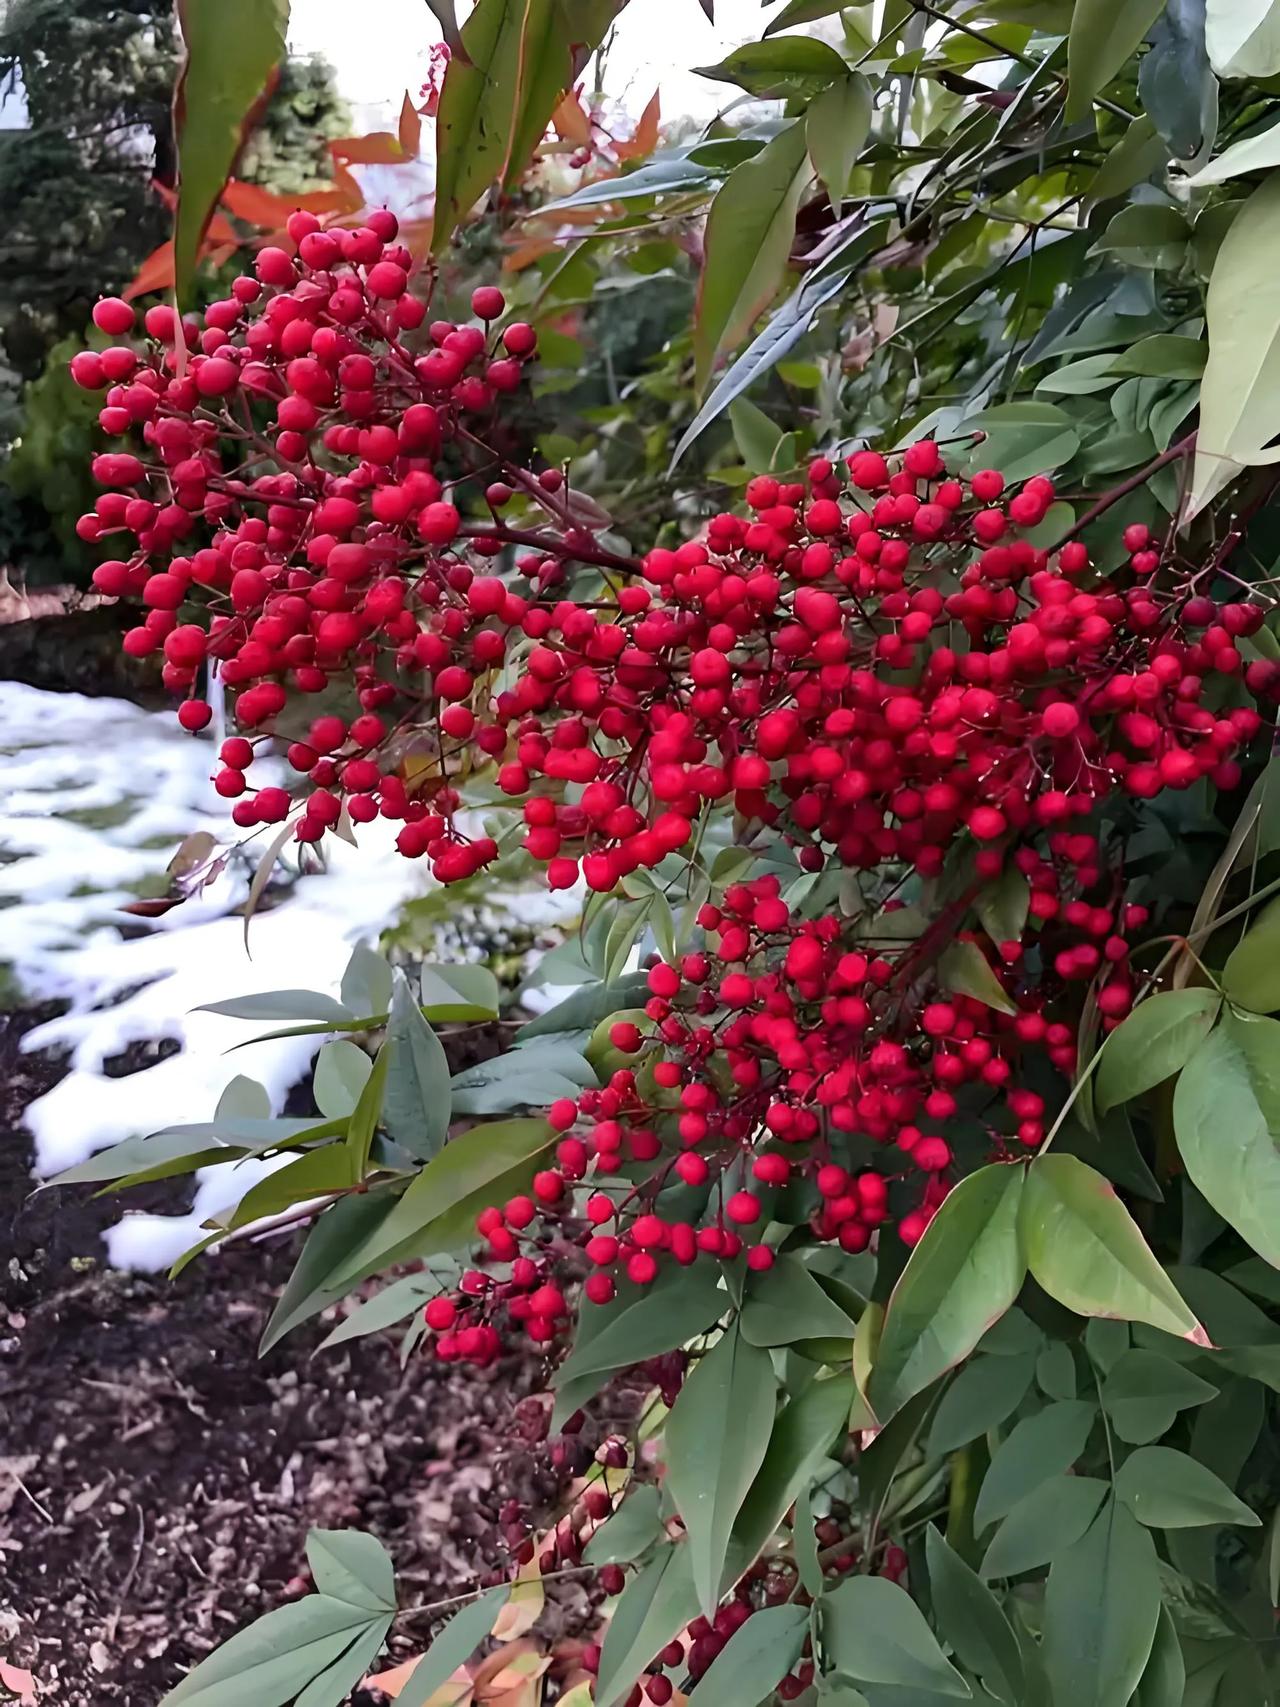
(886, 784)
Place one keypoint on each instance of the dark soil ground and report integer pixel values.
(157, 1478)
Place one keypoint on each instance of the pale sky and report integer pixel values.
(381, 49)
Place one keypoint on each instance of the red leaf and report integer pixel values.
(410, 128)
(645, 137)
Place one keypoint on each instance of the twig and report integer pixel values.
(1123, 490)
(26, 1492)
(113, 1618)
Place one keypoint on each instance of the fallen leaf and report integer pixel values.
(455, 1691)
(18, 1682)
(522, 1610)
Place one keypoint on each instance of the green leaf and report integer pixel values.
(341, 1073)
(962, 1276)
(1165, 355)
(1146, 234)
(366, 1115)
(1101, 1605)
(785, 327)
(1104, 34)
(1138, 154)
(585, 1008)
(333, 1686)
(1258, 153)
(1056, 1371)
(351, 1565)
(313, 1174)
(754, 433)
(775, 69)
(965, 969)
(1143, 1392)
(366, 983)
(729, 1396)
(1171, 1490)
(1023, 438)
(1243, 37)
(480, 1167)
(314, 1283)
(654, 1607)
(1043, 1524)
(875, 1633)
(746, 244)
(458, 993)
(982, 1396)
(232, 51)
(532, 1077)
(1164, 1679)
(804, 1544)
(1226, 1115)
(1156, 1041)
(674, 171)
(756, 1658)
(802, 12)
(972, 1620)
(417, 1103)
(456, 1642)
(786, 1304)
(392, 1304)
(1002, 906)
(631, 1531)
(1040, 1446)
(1251, 976)
(1084, 1248)
(273, 1659)
(836, 127)
(1175, 83)
(807, 1429)
(282, 1004)
(191, 1145)
(641, 1322)
(1240, 393)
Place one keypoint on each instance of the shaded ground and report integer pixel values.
(157, 1478)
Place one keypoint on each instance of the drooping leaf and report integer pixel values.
(1243, 37)
(366, 982)
(875, 1633)
(314, 1174)
(456, 1642)
(1143, 1392)
(1043, 1524)
(1239, 395)
(1082, 1245)
(985, 1392)
(1165, 1489)
(417, 1103)
(965, 969)
(1251, 976)
(478, 1168)
(1175, 82)
(1101, 1606)
(1104, 34)
(1040, 1446)
(730, 1395)
(836, 127)
(972, 1620)
(1226, 1114)
(232, 51)
(746, 244)
(657, 1603)
(1156, 1041)
(1257, 153)
(275, 1658)
(962, 1276)
(1023, 438)
(755, 1659)
(459, 992)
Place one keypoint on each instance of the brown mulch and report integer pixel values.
(157, 1478)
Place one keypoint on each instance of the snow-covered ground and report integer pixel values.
(95, 796)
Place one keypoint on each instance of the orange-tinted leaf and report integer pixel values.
(221, 231)
(456, 1692)
(348, 189)
(410, 128)
(645, 138)
(571, 121)
(255, 205)
(155, 273)
(379, 148)
(415, 234)
(533, 249)
(521, 1611)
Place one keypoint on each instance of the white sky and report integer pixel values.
(384, 51)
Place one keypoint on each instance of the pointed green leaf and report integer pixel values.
(332, 1687)
(1258, 153)
(756, 1658)
(1043, 1524)
(1003, 905)
(1251, 976)
(729, 1396)
(786, 1303)
(808, 1429)
(1040, 1446)
(964, 968)
(836, 127)
(1143, 1392)
(1101, 1606)
(314, 1283)
(342, 1069)
(351, 1565)
(779, 67)
(654, 1607)
(366, 983)
(281, 1004)
(1226, 1114)
(1171, 1490)
(983, 1394)
(417, 1102)
(962, 1276)
(972, 1620)
(746, 244)
(1156, 1041)
(276, 1657)
(392, 1304)
(585, 1008)
(456, 1642)
(1104, 34)
(875, 1633)
(1085, 1249)
(634, 1527)
(1164, 1680)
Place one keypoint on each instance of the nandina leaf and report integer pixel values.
(351, 1565)
(962, 1276)
(1243, 37)
(805, 1432)
(1040, 1446)
(972, 1620)
(1101, 1606)
(729, 1396)
(418, 1100)
(1165, 1489)
(276, 1657)
(232, 51)
(459, 1638)
(1085, 1249)
(755, 1659)
(748, 238)
(1104, 34)
(655, 1606)
(1156, 1041)
(1251, 976)
(1226, 1114)
(836, 127)
(876, 1633)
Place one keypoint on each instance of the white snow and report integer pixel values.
(61, 885)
